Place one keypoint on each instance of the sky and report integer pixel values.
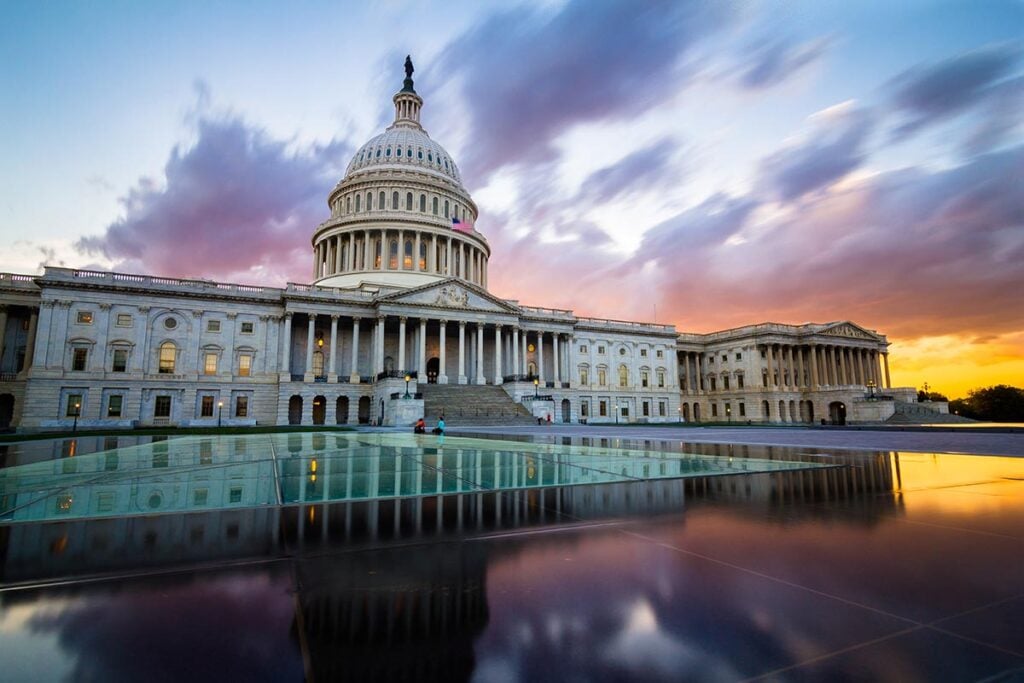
(706, 164)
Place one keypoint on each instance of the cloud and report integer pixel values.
(773, 61)
(834, 149)
(640, 171)
(236, 205)
(532, 76)
(927, 94)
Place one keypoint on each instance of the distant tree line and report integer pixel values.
(1001, 403)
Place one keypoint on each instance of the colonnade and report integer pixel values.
(508, 346)
(794, 367)
(396, 249)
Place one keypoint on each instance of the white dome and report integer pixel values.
(399, 148)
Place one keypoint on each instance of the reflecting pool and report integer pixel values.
(571, 560)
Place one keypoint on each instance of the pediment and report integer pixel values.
(849, 330)
(451, 294)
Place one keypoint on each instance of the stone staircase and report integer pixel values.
(472, 404)
(916, 414)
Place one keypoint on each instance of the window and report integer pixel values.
(446, 208)
(244, 365)
(162, 406)
(206, 446)
(644, 378)
(199, 496)
(714, 410)
(393, 255)
(661, 353)
(407, 255)
(168, 354)
(78, 360)
(114, 404)
(764, 378)
(124, 320)
(213, 326)
(622, 351)
(423, 203)
(600, 350)
(625, 410)
(84, 318)
(739, 382)
(585, 409)
(725, 383)
(381, 201)
(408, 201)
(661, 378)
(74, 406)
(739, 356)
(423, 255)
(394, 201)
(725, 358)
(434, 205)
(712, 380)
(358, 198)
(643, 353)
(104, 502)
(242, 406)
(170, 323)
(623, 376)
(743, 410)
(376, 254)
(662, 409)
(583, 348)
(210, 364)
(318, 363)
(348, 205)
(369, 197)
(247, 328)
(602, 377)
(235, 494)
(602, 408)
(206, 406)
(583, 376)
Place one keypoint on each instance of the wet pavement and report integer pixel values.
(883, 566)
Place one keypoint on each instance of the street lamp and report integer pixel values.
(407, 378)
(78, 411)
(536, 383)
(220, 409)
(871, 388)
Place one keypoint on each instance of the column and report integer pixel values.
(498, 379)
(354, 370)
(833, 368)
(432, 257)
(686, 369)
(332, 369)
(30, 344)
(859, 365)
(309, 346)
(515, 350)
(800, 367)
(378, 352)
(416, 253)
(367, 262)
(771, 369)
(523, 347)
(3, 330)
(791, 366)
(463, 266)
(448, 260)
(814, 368)
(462, 352)
(480, 379)
(885, 359)
(554, 358)
(351, 260)
(540, 357)
(401, 344)
(286, 349)
(442, 375)
(421, 358)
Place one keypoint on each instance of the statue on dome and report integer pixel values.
(408, 66)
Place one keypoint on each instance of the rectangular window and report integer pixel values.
(600, 350)
(583, 348)
(739, 381)
(661, 378)
(74, 406)
(242, 406)
(124, 320)
(213, 326)
(602, 409)
(210, 364)
(644, 378)
(104, 502)
(114, 405)
(79, 359)
(739, 356)
(244, 365)
(247, 328)
(647, 409)
(235, 494)
(205, 452)
(602, 378)
(84, 318)
(199, 496)
(120, 362)
(583, 376)
(714, 410)
(725, 358)
(725, 383)
(743, 410)
(625, 411)
(712, 379)
(643, 353)
(206, 407)
(162, 406)
(584, 408)
(662, 409)
(661, 353)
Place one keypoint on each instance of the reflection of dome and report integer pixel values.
(400, 217)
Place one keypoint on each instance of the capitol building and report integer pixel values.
(398, 323)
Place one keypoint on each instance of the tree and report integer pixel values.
(1001, 403)
(930, 396)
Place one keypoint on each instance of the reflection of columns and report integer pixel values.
(771, 369)
(885, 359)
(442, 374)
(354, 371)
(515, 350)
(421, 362)
(309, 343)
(540, 356)
(480, 379)
(331, 366)
(814, 368)
(462, 352)
(286, 347)
(497, 355)
(555, 360)
(401, 344)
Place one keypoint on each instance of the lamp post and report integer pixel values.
(407, 378)
(78, 411)
(871, 388)
(536, 383)
(220, 409)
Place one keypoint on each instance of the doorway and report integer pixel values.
(295, 410)
(364, 410)
(837, 413)
(319, 410)
(433, 370)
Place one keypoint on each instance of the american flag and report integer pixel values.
(465, 225)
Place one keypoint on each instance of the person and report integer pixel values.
(439, 429)
(421, 427)
(549, 419)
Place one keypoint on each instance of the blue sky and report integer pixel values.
(774, 156)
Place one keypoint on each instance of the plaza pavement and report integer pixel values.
(931, 441)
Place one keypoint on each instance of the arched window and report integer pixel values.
(393, 255)
(584, 375)
(376, 254)
(369, 201)
(378, 152)
(394, 201)
(602, 377)
(623, 376)
(430, 157)
(318, 363)
(357, 203)
(423, 255)
(388, 153)
(168, 356)
(423, 203)
(435, 205)
(398, 151)
(408, 201)
(419, 154)
(407, 255)
(348, 205)
(381, 202)
(446, 208)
